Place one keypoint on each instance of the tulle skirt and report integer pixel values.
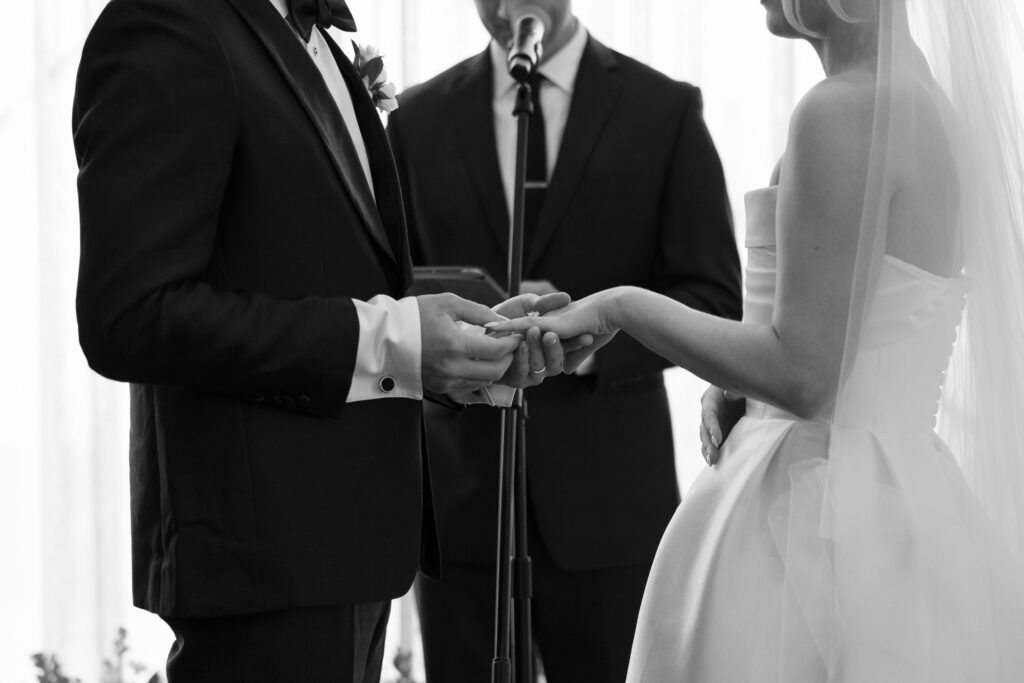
(812, 554)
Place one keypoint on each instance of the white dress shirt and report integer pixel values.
(389, 352)
(559, 71)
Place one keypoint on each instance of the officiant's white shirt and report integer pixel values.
(559, 71)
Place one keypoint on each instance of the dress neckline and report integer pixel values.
(896, 261)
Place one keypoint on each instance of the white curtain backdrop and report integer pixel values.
(64, 575)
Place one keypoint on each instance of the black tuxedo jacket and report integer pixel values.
(226, 224)
(637, 197)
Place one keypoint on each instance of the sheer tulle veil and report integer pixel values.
(909, 548)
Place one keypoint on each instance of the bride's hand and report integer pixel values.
(592, 315)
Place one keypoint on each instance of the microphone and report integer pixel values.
(527, 48)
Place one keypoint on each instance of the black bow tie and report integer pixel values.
(303, 14)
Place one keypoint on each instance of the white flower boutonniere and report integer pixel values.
(370, 67)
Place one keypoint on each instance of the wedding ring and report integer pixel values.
(539, 372)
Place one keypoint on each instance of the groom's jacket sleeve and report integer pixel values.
(698, 263)
(155, 121)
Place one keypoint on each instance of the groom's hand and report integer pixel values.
(455, 359)
(539, 356)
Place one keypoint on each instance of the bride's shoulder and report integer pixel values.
(840, 103)
(833, 122)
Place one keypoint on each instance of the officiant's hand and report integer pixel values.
(457, 359)
(540, 355)
(719, 413)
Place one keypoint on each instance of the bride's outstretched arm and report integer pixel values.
(794, 361)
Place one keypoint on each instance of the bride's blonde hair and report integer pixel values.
(794, 14)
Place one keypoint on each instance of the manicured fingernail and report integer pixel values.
(489, 325)
(551, 341)
(714, 440)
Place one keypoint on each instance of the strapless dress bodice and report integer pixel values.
(906, 339)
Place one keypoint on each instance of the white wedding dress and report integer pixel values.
(848, 549)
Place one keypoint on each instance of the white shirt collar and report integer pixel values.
(560, 68)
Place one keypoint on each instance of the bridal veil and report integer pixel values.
(899, 557)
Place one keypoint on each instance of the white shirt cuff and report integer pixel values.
(389, 353)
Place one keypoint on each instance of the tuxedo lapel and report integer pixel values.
(473, 114)
(311, 91)
(382, 162)
(594, 95)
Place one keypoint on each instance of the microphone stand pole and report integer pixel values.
(514, 572)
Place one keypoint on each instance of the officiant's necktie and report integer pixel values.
(536, 165)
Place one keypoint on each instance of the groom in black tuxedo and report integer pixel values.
(243, 256)
(629, 190)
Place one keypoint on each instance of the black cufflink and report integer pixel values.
(387, 384)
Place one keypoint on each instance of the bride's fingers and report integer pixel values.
(707, 448)
(524, 324)
(705, 443)
(710, 432)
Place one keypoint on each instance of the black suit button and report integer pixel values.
(259, 397)
(276, 400)
(288, 401)
(304, 401)
(387, 384)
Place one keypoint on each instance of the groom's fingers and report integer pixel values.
(486, 347)
(517, 306)
(538, 364)
(574, 359)
(551, 302)
(470, 312)
(577, 343)
(554, 354)
(474, 373)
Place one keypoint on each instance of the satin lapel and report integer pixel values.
(594, 95)
(473, 114)
(382, 162)
(311, 91)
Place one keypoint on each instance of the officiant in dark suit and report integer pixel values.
(624, 187)
(243, 265)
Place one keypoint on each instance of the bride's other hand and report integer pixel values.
(719, 413)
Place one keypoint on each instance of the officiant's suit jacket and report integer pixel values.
(226, 224)
(637, 196)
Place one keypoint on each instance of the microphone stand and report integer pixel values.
(514, 571)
